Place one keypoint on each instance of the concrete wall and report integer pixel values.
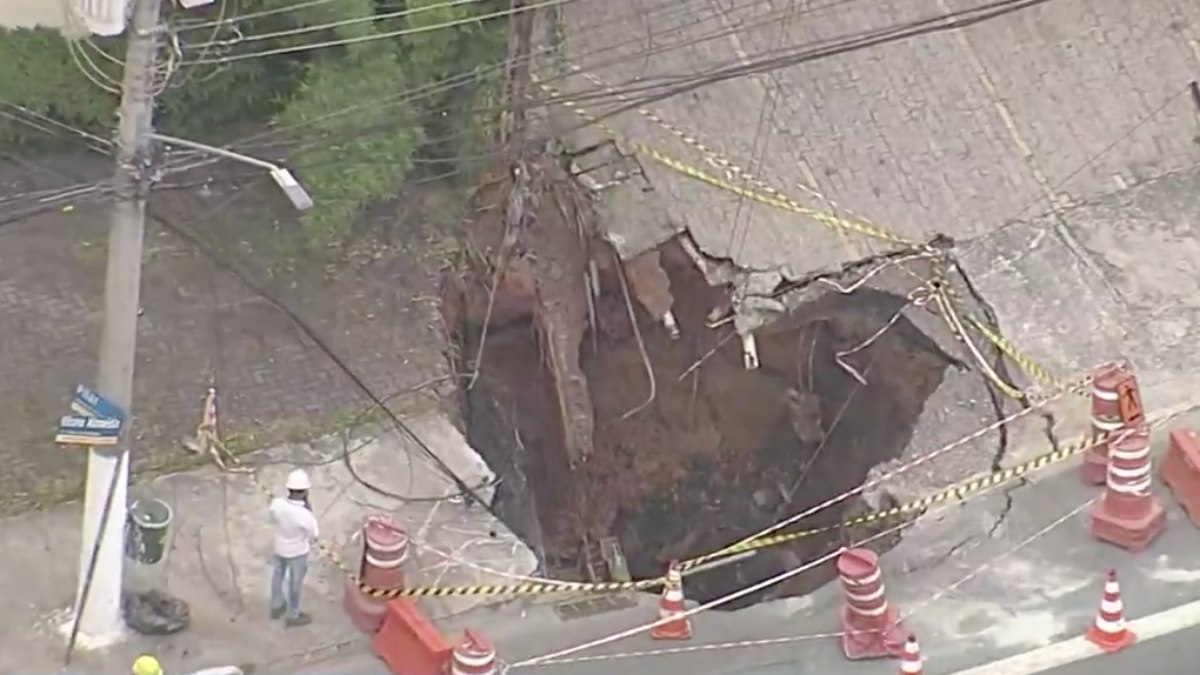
(30, 13)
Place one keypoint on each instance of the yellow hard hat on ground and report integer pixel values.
(146, 665)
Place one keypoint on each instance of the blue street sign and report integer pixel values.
(88, 403)
(77, 430)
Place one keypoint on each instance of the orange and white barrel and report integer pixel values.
(385, 550)
(474, 655)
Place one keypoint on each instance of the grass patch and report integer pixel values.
(241, 444)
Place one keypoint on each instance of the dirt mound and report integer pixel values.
(706, 454)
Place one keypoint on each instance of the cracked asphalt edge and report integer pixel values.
(1000, 365)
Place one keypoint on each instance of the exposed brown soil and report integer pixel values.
(717, 454)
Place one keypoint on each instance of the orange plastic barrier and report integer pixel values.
(1180, 470)
(408, 643)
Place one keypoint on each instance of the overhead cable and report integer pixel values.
(385, 35)
(725, 599)
(253, 15)
(372, 18)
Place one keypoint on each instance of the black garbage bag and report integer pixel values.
(155, 613)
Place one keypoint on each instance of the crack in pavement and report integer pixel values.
(954, 550)
(994, 395)
(939, 242)
(1003, 515)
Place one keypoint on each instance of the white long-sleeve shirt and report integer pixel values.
(295, 527)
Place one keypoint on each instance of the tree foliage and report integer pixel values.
(393, 78)
(347, 107)
(362, 151)
(42, 71)
(37, 72)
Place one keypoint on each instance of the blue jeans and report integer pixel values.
(286, 582)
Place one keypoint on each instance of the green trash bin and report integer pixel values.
(146, 530)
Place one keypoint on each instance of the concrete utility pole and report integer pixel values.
(517, 73)
(99, 613)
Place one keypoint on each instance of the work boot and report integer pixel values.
(277, 612)
(300, 619)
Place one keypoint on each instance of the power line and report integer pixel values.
(823, 49)
(456, 80)
(210, 252)
(372, 18)
(449, 83)
(877, 37)
(915, 462)
(663, 87)
(764, 642)
(253, 15)
(432, 89)
(359, 39)
(725, 599)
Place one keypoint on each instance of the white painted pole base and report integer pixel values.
(101, 623)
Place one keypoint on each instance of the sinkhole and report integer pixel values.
(719, 453)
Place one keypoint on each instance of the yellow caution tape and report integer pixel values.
(767, 195)
(1026, 364)
(542, 588)
(779, 202)
(961, 491)
(770, 197)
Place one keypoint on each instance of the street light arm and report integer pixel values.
(229, 154)
(282, 177)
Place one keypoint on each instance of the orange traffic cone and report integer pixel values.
(1108, 631)
(671, 607)
(910, 660)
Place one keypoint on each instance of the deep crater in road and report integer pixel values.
(718, 454)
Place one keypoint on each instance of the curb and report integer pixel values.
(1078, 649)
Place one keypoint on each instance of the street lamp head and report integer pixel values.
(295, 192)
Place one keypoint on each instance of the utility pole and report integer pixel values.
(517, 74)
(98, 599)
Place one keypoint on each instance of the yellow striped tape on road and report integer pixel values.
(961, 491)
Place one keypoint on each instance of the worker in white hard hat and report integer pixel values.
(295, 532)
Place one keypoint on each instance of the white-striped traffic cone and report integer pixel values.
(1108, 631)
(671, 609)
(910, 660)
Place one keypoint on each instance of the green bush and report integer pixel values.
(37, 71)
(346, 160)
(367, 154)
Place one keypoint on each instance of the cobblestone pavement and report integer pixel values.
(956, 131)
(200, 325)
(1038, 141)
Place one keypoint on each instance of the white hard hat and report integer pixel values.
(298, 480)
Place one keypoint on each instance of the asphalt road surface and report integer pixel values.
(1173, 654)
